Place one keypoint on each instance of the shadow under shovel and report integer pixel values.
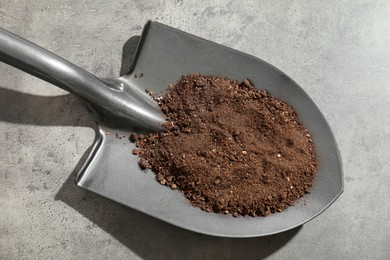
(151, 238)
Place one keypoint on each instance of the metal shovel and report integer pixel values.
(121, 105)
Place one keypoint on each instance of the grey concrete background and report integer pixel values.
(338, 51)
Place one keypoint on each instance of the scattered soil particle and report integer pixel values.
(133, 136)
(119, 136)
(135, 151)
(229, 147)
(144, 164)
(138, 75)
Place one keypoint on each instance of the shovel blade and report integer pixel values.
(165, 54)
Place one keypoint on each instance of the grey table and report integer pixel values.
(338, 51)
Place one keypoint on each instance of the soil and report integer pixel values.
(229, 147)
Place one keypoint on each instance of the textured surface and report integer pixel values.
(337, 51)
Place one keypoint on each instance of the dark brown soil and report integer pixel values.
(229, 147)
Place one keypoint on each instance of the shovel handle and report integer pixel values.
(45, 65)
(107, 100)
